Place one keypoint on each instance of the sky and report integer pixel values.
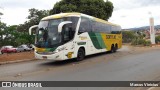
(127, 13)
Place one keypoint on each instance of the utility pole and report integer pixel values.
(152, 31)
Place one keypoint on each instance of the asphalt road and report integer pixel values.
(124, 65)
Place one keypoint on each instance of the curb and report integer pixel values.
(17, 61)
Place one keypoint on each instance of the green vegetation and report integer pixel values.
(158, 39)
(128, 36)
(142, 42)
(97, 8)
(135, 38)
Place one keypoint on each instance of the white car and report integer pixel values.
(32, 47)
(23, 48)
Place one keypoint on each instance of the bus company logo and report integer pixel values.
(111, 36)
(83, 37)
(6, 84)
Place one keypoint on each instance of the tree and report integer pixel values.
(34, 17)
(2, 32)
(9, 35)
(1, 14)
(97, 8)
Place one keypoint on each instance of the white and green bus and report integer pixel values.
(74, 35)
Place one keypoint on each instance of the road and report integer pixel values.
(124, 65)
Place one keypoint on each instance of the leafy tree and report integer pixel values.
(2, 32)
(1, 13)
(34, 17)
(97, 8)
(8, 35)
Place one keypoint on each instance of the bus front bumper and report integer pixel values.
(55, 57)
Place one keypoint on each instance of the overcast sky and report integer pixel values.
(127, 13)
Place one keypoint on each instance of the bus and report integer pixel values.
(74, 35)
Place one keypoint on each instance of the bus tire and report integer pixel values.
(112, 48)
(116, 48)
(80, 54)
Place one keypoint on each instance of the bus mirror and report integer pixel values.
(30, 29)
(62, 24)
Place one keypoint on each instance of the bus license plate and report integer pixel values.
(44, 57)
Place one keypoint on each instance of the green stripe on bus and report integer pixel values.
(100, 40)
(94, 40)
(50, 49)
(97, 40)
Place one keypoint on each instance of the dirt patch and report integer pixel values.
(16, 56)
(145, 49)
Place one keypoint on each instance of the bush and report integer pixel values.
(128, 36)
(147, 43)
(140, 42)
(157, 39)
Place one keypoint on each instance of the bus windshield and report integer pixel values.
(47, 33)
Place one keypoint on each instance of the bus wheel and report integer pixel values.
(80, 54)
(116, 48)
(112, 49)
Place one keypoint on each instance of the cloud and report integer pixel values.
(145, 3)
(14, 4)
(136, 17)
(16, 11)
(132, 4)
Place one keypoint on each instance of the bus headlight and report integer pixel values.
(56, 51)
(60, 49)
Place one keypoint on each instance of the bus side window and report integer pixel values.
(68, 32)
(65, 33)
(94, 26)
(84, 25)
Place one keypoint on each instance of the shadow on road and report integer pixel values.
(74, 61)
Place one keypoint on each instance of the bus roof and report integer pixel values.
(56, 16)
(61, 15)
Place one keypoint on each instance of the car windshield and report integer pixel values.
(47, 33)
